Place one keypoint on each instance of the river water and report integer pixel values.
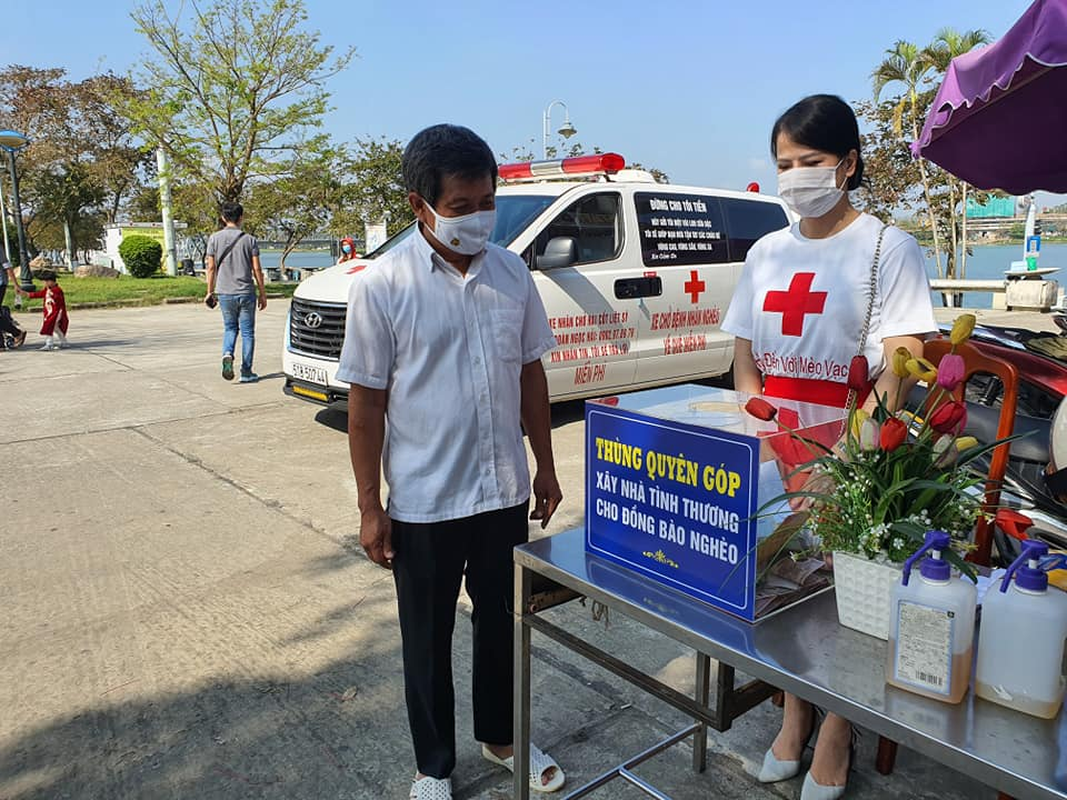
(989, 262)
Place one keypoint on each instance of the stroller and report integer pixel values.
(11, 336)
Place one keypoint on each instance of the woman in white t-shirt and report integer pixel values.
(798, 314)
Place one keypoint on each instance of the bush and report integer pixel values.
(141, 255)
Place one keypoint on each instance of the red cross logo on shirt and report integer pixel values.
(795, 303)
(694, 286)
(355, 269)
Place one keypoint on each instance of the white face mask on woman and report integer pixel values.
(466, 235)
(811, 191)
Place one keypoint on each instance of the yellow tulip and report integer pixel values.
(962, 329)
(966, 443)
(922, 369)
(901, 357)
(859, 416)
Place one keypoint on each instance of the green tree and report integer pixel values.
(301, 203)
(67, 215)
(948, 44)
(906, 64)
(891, 174)
(373, 189)
(232, 88)
(83, 159)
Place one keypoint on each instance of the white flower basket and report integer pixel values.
(864, 588)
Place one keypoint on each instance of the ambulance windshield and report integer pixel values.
(513, 214)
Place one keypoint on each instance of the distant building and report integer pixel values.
(994, 207)
(115, 233)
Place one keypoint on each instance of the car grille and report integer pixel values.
(326, 339)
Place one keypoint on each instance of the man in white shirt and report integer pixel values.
(443, 342)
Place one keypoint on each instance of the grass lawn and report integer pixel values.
(125, 290)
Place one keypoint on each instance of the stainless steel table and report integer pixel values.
(802, 650)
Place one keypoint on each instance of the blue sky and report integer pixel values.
(690, 87)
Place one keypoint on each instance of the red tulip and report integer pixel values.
(893, 434)
(760, 409)
(859, 374)
(950, 371)
(949, 418)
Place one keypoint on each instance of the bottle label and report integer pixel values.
(924, 647)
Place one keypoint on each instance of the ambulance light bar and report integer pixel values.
(600, 164)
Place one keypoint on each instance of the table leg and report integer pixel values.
(887, 756)
(703, 685)
(521, 699)
(724, 691)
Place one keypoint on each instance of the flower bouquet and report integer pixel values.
(893, 475)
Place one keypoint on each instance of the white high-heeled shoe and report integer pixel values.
(813, 790)
(774, 770)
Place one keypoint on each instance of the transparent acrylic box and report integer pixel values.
(677, 484)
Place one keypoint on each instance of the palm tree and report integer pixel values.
(905, 63)
(948, 44)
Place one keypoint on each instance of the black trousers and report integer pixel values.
(430, 562)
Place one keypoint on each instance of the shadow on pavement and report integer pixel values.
(340, 732)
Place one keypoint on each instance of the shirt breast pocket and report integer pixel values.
(505, 332)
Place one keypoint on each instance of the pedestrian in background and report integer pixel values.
(348, 250)
(56, 320)
(235, 275)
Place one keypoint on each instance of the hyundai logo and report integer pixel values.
(312, 320)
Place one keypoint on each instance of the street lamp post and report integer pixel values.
(3, 223)
(12, 142)
(567, 131)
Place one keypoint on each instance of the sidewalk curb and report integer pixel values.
(135, 303)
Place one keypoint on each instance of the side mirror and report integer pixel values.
(561, 251)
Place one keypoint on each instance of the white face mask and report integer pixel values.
(466, 235)
(811, 191)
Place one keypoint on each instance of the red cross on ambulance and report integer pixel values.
(694, 286)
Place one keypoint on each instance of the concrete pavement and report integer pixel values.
(187, 613)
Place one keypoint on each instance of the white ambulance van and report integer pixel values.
(635, 277)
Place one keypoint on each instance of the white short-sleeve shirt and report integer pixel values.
(449, 349)
(802, 301)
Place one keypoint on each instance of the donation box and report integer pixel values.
(679, 484)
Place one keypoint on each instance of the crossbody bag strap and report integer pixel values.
(231, 245)
(872, 290)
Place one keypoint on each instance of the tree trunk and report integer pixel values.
(963, 236)
(290, 246)
(953, 230)
(70, 244)
(926, 191)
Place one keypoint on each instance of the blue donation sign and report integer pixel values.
(676, 484)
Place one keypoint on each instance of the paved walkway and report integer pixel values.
(187, 614)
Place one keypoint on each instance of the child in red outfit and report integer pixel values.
(55, 312)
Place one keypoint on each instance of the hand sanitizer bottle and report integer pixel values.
(1021, 648)
(931, 631)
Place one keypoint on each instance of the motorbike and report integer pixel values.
(1034, 491)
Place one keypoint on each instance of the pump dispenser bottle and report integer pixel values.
(931, 632)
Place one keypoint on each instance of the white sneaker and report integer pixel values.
(48, 346)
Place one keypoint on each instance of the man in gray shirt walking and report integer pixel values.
(233, 271)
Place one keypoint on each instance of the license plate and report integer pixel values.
(306, 372)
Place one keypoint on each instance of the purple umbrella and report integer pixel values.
(999, 120)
